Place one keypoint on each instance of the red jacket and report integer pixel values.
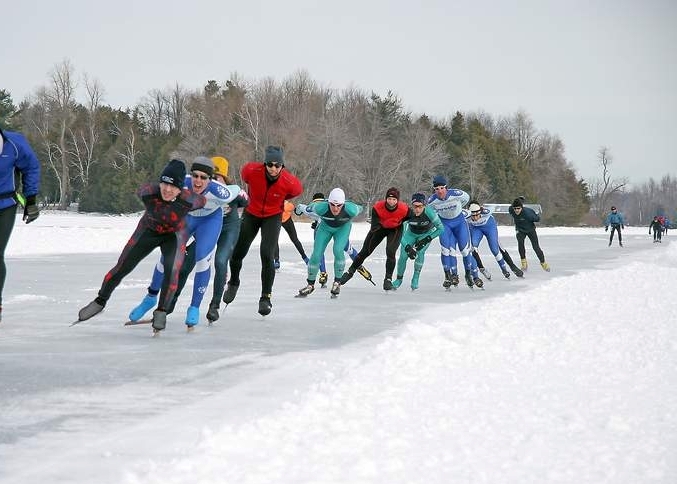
(267, 198)
(389, 219)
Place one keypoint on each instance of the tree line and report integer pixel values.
(97, 155)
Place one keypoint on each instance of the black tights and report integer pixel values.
(7, 216)
(270, 232)
(534, 243)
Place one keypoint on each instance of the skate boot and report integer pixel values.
(346, 277)
(414, 281)
(454, 280)
(265, 306)
(213, 312)
(485, 272)
(469, 279)
(159, 320)
(148, 303)
(506, 273)
(448, 276)
(335, 289)
(545, 266)
(387, 284)
(192, 317)
(397, 282)
(366, 274)
(524, 264)
(478, 282)
(307, 290)
(92, 309)
(230, 293)
(323, 279)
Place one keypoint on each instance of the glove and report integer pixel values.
(300, 209)
(420, 243)
(313, 225)
(411, 252)
(31, 210)
(623, 227)
(606, 229)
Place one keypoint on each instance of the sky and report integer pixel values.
(593, 73)
(561, 377)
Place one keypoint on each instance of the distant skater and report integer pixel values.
(617, 223)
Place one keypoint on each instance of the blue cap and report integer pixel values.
(439, 181)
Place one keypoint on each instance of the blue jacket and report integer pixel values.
(614, 219)
(16, 154)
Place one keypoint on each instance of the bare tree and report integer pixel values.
(520, 130)
(153, 111)
(604, 189)
(471, 168)
(125, 158)
(85, 138)
(52, 116)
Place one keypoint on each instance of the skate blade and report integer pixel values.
(140, 321)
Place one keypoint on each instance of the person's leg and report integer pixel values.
(248, 229)
(7, 216)
(371, 241)
(224, 249)
(408, 238)
(393, 238)
(521, 249)
(186, 268)
(340, 236)
(140, 244)
(322, 238)
(173, 252)
(206, 234)
(448, 247)
(290, 228)
(270, 232)
(533, 237)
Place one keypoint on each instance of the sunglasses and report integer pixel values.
(439, 187)
(517, 208)
(271, 164)
(336, 205)
(201, 177)
(475, 214)
(417, 205)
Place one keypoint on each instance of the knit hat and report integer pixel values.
(439, 181)
(393, 192)
(517, 202)
(204, 164)
(613, 208)
(337, 196)
(418, 197)
(220, 166)
(174, 173)
(318, 196)
(274, 154)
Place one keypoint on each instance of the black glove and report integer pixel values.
(623, 227)
(420, 243)
(411, 252)
(31, 210)
(606, 229)
(313, 225)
